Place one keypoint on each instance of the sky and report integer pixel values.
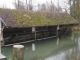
(9, 3)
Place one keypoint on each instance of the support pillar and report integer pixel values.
(18, 52)
(35, 33)
(2, 57)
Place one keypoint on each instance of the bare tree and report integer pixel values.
(49, 7)
(30, 5)
(38, 7)
(52, 7)
(20, 4)
(26, 4)
(43, 7)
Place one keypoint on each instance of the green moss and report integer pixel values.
(31, 18)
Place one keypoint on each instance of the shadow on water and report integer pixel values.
(64, 48)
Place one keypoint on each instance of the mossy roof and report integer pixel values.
(22, 18)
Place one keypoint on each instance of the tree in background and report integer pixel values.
(49, 7)
(75, 9)
(28, 5)
(20, 4)
(42, 7)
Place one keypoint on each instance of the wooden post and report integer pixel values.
(1, 34)
(35, 34)
(0, 47)
(57, 31)
(2, 57)
(18, 52)
(34, 31)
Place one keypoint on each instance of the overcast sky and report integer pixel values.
(9, 3)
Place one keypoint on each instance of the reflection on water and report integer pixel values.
(61, 56)
(33, 47)
(57, 40)
(64, 48)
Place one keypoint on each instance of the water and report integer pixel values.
(64, 48)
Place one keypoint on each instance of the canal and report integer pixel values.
(62, 48)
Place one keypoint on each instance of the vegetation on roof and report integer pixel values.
(22, 18)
